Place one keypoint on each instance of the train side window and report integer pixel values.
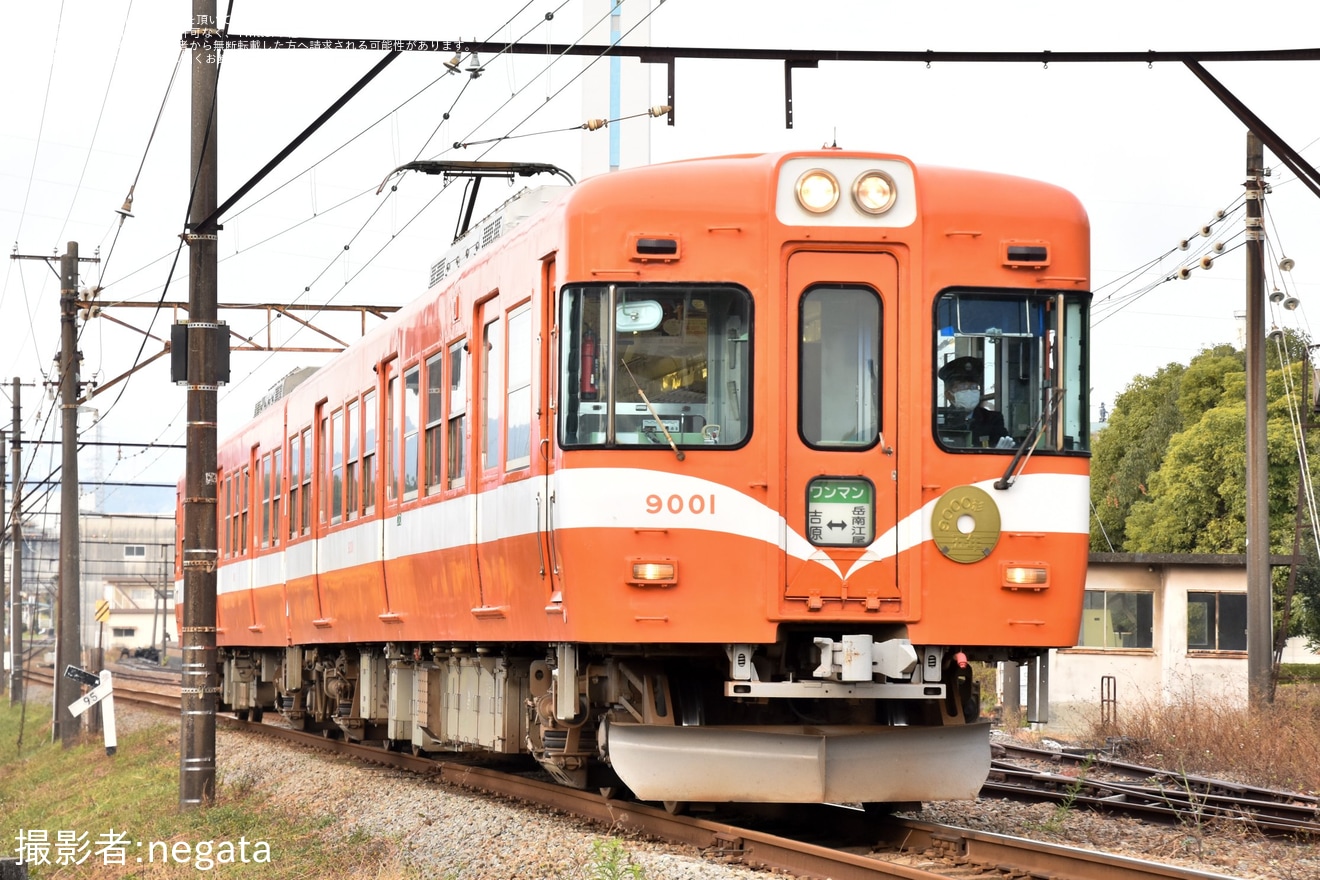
(456, 433)
(492, 401)
(434, 418)
(369, 415)
(244, 536)
(352, 492)
(295, 483)
(234, 515)
(307, 472)
(518, 419)
(264, 462)
(412, 405)
(227, 508)
(336, 466)
(839, 367)
(276, 477)
(323, 466)
(390, 472)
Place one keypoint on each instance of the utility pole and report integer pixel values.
(1259, 591)
(16, 542)
(68, 637)
(10, 646)
(197, 638)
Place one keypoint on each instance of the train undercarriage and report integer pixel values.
(813, 718)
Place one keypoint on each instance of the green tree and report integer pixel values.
(1169, 470)
(1129, 449)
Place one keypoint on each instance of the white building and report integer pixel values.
(1156, 628)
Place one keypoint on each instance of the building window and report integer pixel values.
(1117, 620)
(1216, 621)
(135, 551)
(123, 632)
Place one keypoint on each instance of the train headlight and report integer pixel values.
(817, 190)
(1019, 576)
(874, 192)
(653, 572)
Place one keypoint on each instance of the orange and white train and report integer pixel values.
(673, 479)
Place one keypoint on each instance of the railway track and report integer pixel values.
(841, 843)
(1095, 781)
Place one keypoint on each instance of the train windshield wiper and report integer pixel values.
(655, 415)
(1028, 444)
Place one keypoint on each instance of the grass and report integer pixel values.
(1274, 747)
(80, 791)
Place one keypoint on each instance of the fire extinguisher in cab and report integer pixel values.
(587, 382)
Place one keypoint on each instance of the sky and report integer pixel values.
(97, 103)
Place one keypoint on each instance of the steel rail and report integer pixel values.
(902, 848)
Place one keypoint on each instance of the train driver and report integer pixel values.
(962, 379)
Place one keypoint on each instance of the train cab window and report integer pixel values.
(651, 365)
(456, 433)
(1010, 371)
(839, 363)
(518, 418)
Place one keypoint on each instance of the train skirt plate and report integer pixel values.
(801, 764)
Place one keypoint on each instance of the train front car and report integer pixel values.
(822, 440)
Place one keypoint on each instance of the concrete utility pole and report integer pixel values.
(1260, 611)
(68, 636)
(197, 638)
(9, 645)
(16, 542)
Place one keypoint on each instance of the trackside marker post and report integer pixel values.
(101, 692)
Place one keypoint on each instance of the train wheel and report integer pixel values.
(242, 714)
(675, 808)
(257, 714)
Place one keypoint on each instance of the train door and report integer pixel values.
(546, 405)
(488, 396)
(841, 376)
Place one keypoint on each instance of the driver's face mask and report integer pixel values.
(967, 398)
